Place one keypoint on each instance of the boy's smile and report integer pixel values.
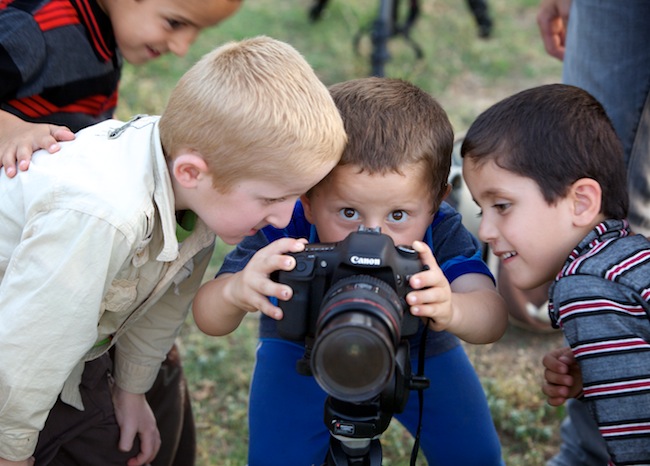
(346, 199)
(522, 229)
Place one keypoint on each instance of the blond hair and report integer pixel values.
(253, 109)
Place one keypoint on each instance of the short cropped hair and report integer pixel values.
(253, 109)
(392, 124)
(554, 134)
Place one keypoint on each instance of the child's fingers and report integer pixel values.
(558, 360)
(50, 141)
(24, 157)
(556, 395)
(556, 401)
(10, 169)
(425, 253)
(558, 378)
(8, 158)
(274, 289)
(270, 310)
(276, 257)
(267, 260)
(61, 133)
(431, 294)
(432, 275)
(284, 245)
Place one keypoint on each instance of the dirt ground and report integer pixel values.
(518, 352)
(513, 368)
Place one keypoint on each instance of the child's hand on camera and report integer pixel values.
(249, 289)
(432, 295)
(19, 139)
(562, 376)
(221, 304)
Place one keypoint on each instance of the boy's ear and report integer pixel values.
(189, 169)
(447, 192)
(306, 204)
(586, 196)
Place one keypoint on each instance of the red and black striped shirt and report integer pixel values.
(58, 62)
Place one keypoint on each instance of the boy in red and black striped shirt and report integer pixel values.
(60, 61)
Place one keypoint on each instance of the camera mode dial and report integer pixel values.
(407, 251)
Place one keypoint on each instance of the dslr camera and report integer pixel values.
(348, 305)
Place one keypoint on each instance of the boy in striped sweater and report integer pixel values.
(547, 170)
(61, 60)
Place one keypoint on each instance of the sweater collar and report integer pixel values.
(603, 232)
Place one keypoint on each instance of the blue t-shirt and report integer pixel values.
(456, 250)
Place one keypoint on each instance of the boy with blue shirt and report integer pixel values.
(90, 260)
(392, 175)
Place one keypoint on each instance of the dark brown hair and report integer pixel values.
(554, 134)
(390, 124)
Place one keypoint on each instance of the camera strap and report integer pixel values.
(420, 389)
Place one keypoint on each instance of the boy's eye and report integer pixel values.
(275, 200)
(349, 213)
(502, 207)
(174, 24)
(398, 216)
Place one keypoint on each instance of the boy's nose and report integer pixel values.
(373, 223)
(180, 42)
(282, 216)
(486, 231)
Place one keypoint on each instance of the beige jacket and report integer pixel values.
(89, 258)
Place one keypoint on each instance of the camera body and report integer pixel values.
(349, 306)
(320, 265)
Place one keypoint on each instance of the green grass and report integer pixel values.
(466, 75)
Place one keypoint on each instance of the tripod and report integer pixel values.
(385, 27)
(356, 428)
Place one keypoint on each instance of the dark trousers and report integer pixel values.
(90, 437)
(170, 402)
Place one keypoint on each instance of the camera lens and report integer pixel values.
(357, 333)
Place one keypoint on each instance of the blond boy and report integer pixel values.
(89, 257)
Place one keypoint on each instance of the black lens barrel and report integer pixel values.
(353, 357)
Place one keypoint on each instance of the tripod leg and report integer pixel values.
(367, 454)
(381, 31)
(317, 9)
(479, 9)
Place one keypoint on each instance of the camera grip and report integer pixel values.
(294, 324)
